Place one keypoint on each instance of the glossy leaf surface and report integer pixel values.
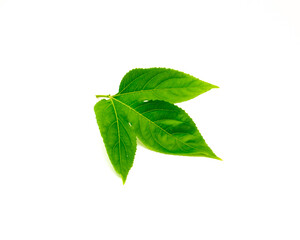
(144, 108)
(118, 137)
(166, 128)
(160, 84)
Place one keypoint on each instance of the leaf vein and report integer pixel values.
(119, 137)
(166, 80)
(153, 90)
(154, 123)
(132, 81)
(151, 79)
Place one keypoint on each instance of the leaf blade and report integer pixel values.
(118, 137)
(160, 84)
(166, 128)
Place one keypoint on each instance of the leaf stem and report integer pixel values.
(99, 96)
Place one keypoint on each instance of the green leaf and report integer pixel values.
(165, 128)
(144, 108)
(160, 84)
(118, 137)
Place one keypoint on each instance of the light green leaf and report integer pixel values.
(118, 137)
(165, 128)
(160, 84)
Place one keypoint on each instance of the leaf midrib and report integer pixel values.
(153, 122)
(155, 89)
(119, 137)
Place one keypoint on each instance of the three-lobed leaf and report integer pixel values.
(144, 108)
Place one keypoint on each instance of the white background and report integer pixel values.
(56, 181)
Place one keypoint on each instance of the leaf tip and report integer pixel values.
(216, 157)
(124, 177)
(214, 86)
